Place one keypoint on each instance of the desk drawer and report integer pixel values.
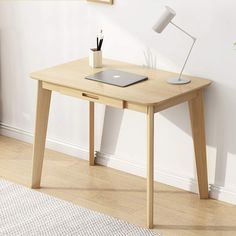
(84, 95)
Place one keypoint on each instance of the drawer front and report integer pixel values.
(84, 95)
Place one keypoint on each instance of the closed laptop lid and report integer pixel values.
(117, 77)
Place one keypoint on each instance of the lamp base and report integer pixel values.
(178, 81)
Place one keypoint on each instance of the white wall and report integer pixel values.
(38, 34)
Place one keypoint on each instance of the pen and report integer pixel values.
(100, 45)
(97, 42)
(100, 41)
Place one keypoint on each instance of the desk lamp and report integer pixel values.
(161, 24)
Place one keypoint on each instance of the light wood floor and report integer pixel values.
(118, 194)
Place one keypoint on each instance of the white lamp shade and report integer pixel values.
(164, 20)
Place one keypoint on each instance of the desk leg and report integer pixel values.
(198, 132)
(41, 122)
(91, 133)
(150, 165)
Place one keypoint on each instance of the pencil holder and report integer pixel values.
(95, 58)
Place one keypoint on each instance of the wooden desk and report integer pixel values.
(149, 97)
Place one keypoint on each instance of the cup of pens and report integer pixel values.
(95, 54)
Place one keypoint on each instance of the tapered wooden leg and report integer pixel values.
(43, 104)
(150, 166)
(91, 133)
(198, 131)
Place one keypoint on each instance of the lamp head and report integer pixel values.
(164, 20)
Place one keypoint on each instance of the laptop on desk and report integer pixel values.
(117, 78)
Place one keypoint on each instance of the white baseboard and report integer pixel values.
(182, 182)
(163, 176)
(54, 144)
(159, 175)
(223, 194)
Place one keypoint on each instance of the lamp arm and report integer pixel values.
(194, 40)
(183, 30)
(186, 60)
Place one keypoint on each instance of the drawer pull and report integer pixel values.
(90, 96)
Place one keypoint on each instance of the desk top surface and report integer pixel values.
(149, 92)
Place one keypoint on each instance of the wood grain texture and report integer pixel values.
(175, 101)
(150, 165)
(198, 131)
(150, 96)
(122, 195)
(91, 133)
(151, 92)
(85, 95)
(42, 112)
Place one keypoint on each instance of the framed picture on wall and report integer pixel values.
(102, 1)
